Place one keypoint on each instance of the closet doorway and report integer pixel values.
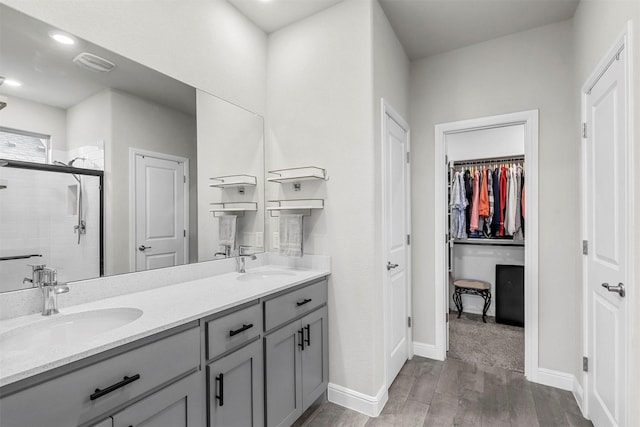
(466, 146)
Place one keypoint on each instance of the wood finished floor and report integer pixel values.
(457, 393)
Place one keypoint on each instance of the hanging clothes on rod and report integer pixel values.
(490, 192)
(458, 205)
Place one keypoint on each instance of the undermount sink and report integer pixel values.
(263, 275)
(65, 329)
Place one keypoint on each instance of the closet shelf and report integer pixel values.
(294, 206)
(489, 242)
(234, 181)
(228, 208)
(306, 173)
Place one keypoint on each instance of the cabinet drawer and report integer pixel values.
(232, 330)
(66, 400)
(285, 307)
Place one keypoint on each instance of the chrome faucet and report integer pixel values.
(37, 272)
(224, 250)
(47, 280)
(242, 256)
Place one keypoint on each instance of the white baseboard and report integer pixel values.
(556, 379)
(429, 351)
(360, 402)
(578, 394)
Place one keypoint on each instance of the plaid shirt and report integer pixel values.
(490, 189)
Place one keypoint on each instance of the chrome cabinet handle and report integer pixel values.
(619, 289)
(390, 266)
(143, 248)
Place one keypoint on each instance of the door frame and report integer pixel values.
(623, 41)
(530, 121)
(387, 110)
(133, 152)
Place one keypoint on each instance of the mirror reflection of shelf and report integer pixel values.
(304, 206)
(230, 181)
(306, 173)
(233, 208)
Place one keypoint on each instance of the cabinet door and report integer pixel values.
(315, 363)
(235, 388)
(283, 375)
(177, 405)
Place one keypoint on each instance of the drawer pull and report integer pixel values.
(244, 328)
(307, 341)
(220, 381)
(301, 343)
(126, 380)
(303, 302)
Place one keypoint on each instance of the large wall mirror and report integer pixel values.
(109, 167)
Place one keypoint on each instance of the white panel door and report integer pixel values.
(159, 213)
(607, 263)
(396, 229)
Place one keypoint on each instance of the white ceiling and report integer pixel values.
(49, 76)
(427, 27)
(271, 15)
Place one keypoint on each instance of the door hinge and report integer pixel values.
(408, 239)
(585, 364)
(408, 157)
(585, 247)
(409, 322)
(446, 317)
(584, 130)
(184, 178)
(184, 233)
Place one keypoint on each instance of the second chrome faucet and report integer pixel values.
(47, 280)
(243, 254)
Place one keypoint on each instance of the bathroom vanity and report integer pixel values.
(231, 350)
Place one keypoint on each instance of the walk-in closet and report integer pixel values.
(486, 186)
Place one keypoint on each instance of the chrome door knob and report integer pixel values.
(390, 266)
(619, 289)
(143, 248)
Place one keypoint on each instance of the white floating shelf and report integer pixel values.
(233, 181)
(238, 208)
(306, 173)
(303, 206)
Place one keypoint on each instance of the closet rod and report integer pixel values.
(507, 159)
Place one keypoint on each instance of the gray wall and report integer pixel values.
(319, 112)
(528, 70)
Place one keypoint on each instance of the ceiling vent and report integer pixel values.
(94, 63)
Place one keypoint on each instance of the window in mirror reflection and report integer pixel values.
(24, 146)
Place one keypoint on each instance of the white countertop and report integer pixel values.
(163, 308)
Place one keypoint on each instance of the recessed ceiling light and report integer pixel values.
(13, 83)
(62, 38)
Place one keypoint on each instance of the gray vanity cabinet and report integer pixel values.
(296, 354)
(235, 374)
(296, 367)
(235, 384)
(100, 386)
(314, 357)
(177, 405)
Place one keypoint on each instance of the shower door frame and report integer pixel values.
(69, 170)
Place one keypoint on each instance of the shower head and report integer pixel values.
(73, 160)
